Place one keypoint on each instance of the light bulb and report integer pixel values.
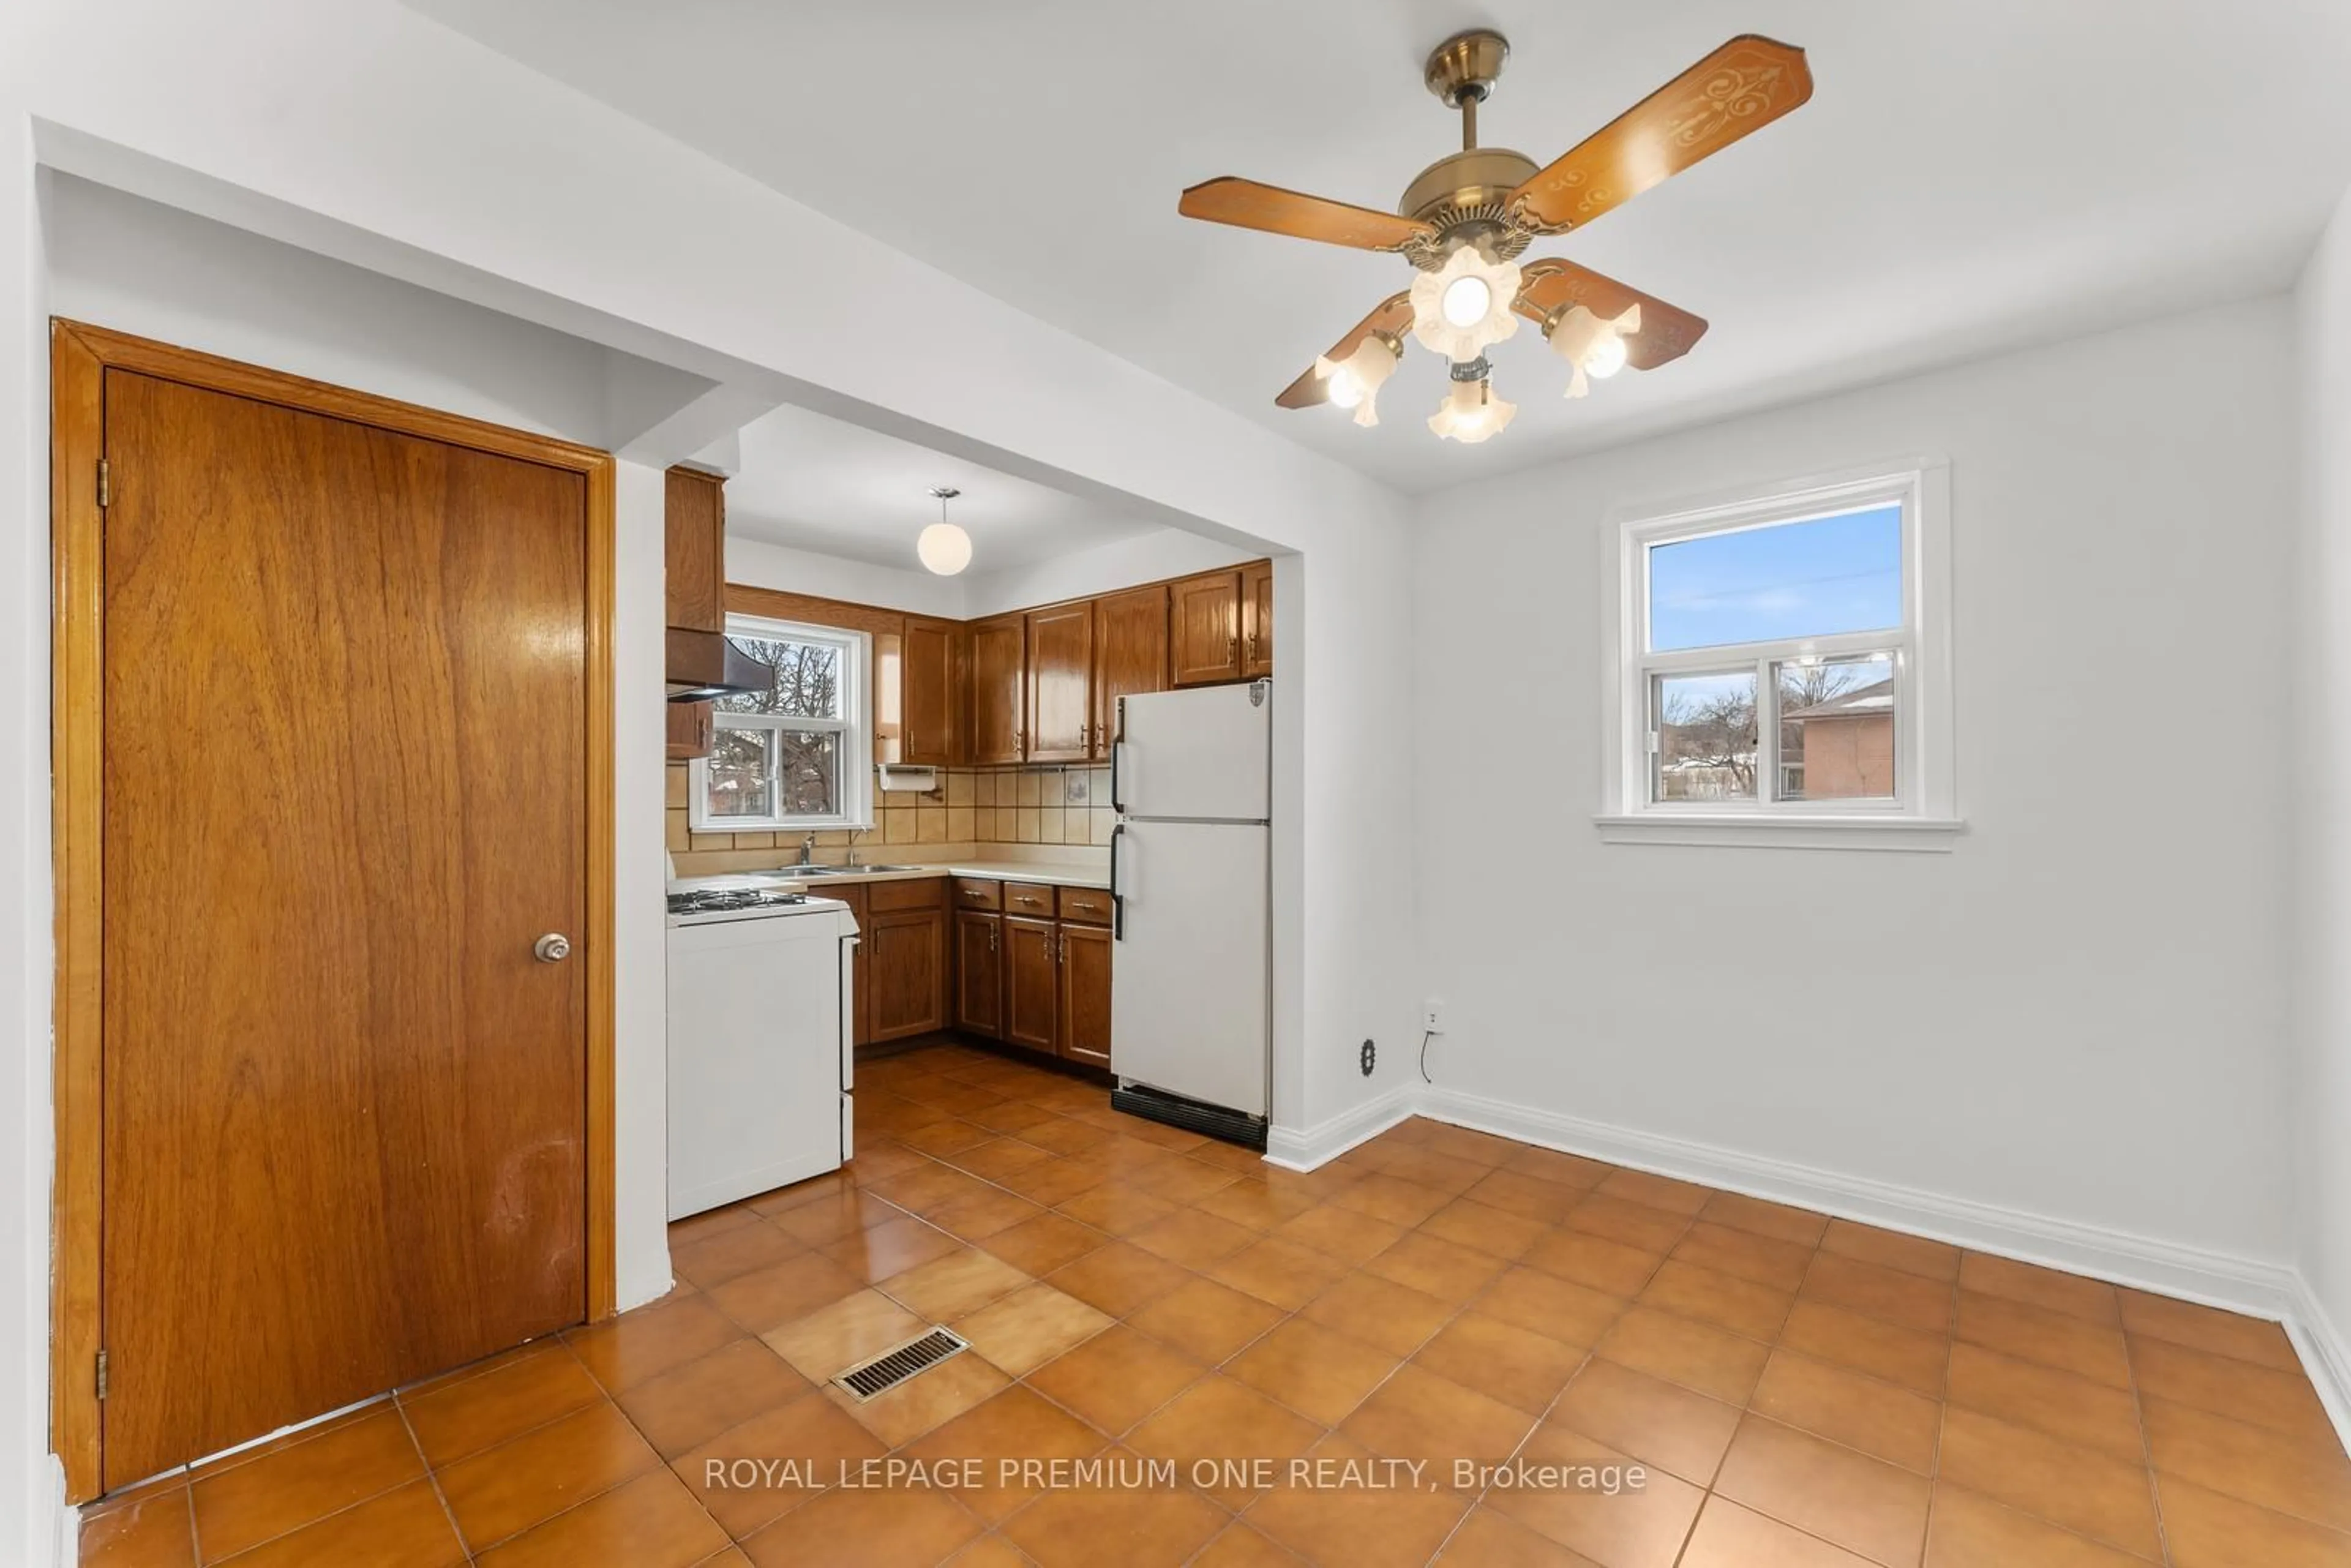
(1465, 301)
(1355, 381)
(945, 548)
(1471, 413)
(1464, 307)
(1605, 357)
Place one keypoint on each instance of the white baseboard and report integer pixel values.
(2215, 1279)
(2273, 1290)
(1303, 1149)
(2324, 1355)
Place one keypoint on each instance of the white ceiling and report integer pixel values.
(1969, 174)
(818, 484)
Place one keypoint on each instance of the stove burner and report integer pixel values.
(719, 900)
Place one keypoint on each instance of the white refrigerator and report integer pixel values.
(1191, 958)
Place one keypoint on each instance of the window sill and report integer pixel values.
(1930, 835)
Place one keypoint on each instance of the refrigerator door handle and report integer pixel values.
(1117, 745)
(1117, 904)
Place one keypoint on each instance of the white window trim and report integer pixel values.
(857, 730)
(1926, 814)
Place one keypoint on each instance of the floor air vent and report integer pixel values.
(893, 1367)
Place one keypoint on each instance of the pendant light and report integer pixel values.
(944, 547)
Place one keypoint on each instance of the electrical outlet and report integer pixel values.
(1432, 1016)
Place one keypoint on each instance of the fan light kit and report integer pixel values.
(1465, 220)
(944, 547)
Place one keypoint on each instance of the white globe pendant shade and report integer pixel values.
(945, 548)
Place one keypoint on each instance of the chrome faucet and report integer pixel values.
(854, 834)
(808, 850)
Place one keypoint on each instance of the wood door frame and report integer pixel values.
(79, 356)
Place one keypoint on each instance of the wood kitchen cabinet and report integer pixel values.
(1060, 679)
(979, 972)
(693, 585)
(997, 664)
(1130, 655)
(1032, 983)
(1204, 635)
(1256, 620)
(927, 701)
(1085, 1020)
(905, 958)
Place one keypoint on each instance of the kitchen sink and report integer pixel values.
(800, 870)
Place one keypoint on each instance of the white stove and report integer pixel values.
(760, 1038)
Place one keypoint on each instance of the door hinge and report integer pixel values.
(101, 1374)
(105, 486)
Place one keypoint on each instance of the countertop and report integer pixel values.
(1057, 873)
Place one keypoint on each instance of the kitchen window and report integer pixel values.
(1781, 671)
(794, 755)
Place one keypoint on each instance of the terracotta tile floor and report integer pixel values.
(1803, 1392)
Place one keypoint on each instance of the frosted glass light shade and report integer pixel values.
(1441, 299)
(1591, 345)
(945, 548)
(1471, 413)
(1355, 381)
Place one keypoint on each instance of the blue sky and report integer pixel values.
(1793, 579)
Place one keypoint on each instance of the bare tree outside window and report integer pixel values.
(1705, 738)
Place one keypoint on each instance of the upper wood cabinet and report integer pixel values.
(695, 566)
(1061, 677)
(693, 585)
(1256, 620)
(1204, 629)
(1130, 655)
(927, 703)
(996, 665)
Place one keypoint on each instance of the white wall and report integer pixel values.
(2321, 760)
(365, 132)
(2076, 1015)
(758, 564)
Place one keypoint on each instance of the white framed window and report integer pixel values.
(796, 756)
(1778, 667)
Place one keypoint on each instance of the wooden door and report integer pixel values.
(1086, 993)
(907, 950)
(1130, 655)
(929, 697)
(1032, 982)
(1060, 683)
(996, 693)
(1204, 629)
(1256, 620)
(979, 972)
(344, 791)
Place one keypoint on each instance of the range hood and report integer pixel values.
(703, 664)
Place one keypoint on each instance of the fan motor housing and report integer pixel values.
(1465, 195)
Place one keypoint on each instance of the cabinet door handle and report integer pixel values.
(991, 938)
(1232, 646)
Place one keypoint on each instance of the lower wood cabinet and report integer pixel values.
(905, 967)
(979, 972)
(1032, 989)
(1031, 980)
(1085, 1018)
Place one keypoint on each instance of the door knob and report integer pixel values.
(552, 948)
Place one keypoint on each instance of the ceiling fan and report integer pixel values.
(1468, 217)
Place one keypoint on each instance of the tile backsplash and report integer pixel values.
(972, 806)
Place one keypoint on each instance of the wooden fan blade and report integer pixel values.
(1547, 287)
(1246, 204)
(1392, 315)
(1735, 91)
